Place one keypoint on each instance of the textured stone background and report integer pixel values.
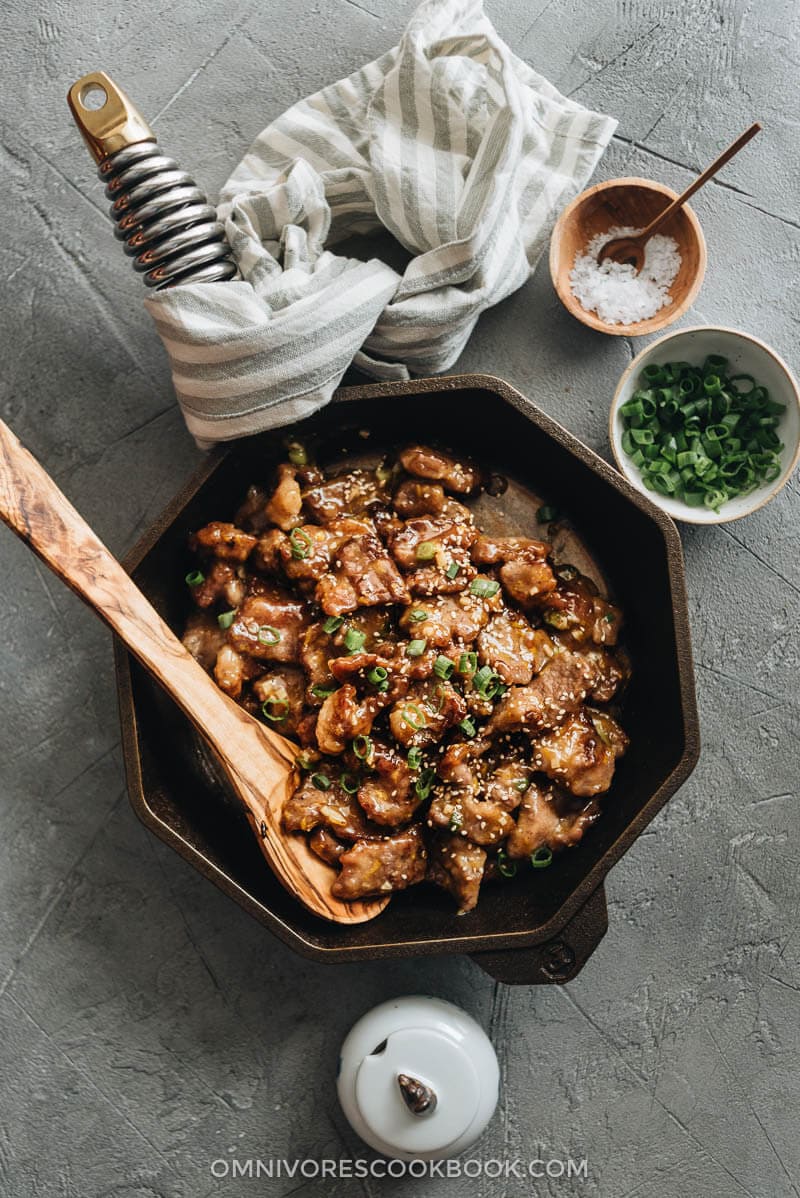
(148, 1025)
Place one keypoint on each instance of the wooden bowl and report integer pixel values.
(626, 203)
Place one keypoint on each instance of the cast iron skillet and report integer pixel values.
(542, 925)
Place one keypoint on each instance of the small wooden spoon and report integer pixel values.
(259, 763)
(631, 249)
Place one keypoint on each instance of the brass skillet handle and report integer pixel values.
(107, 119)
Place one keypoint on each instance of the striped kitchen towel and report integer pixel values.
(450, 143)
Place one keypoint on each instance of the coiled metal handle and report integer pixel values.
(164, 219)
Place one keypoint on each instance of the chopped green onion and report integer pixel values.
(484, 588)
(333, 624)
(195, 578)
(349, 784)
(443, 667)
(541, 857)
(414, 758)
(377, 675)
(456, 820)
(297, 454)
(426, 551)
(302, 762)
(468, 663)
(701, 434)
(522, 785)
(225, 619)
(416, 648)
(321, 781)
(485, 682)
(557, 619)
(275, 710)
(547, 514)
(417, 615)
(505, 865)
(300, 542)
(452, 570)
(322, 692)
(363, 747)
(467, 727)
(267, 635)
(418, 720)
(424, 783)
(354, 640)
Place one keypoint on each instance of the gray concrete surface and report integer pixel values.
(148, 1026)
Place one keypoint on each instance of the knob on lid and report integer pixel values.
(418, 1078)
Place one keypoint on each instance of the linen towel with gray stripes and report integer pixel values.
(449, 142)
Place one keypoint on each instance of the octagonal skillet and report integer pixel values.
(540, 926)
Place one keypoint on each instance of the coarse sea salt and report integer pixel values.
(613, 290)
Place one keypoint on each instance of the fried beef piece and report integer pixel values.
(504, 786)
(266, 555)
(233, 669)
(252, 515)
(450, 541)
(438, 467)
(513, 649)
(306, 555)
(344, 716)
(286, 502)
(334, 809)
(269, 625)
(489, 551)
(449, 620)
(316, 651)
(548, 818)
(225, 541)
(579, 613)
(413, 498)
(466, 813)
(325, 845)
(560, 689)
(363, 576)
(387, 795)
(611, 672)
(282, 689)
(526, 582)
(457, 866)
(581, 753)
(426, 712)
(203, 637)
(221, 581)
(607, 622)
(347, 494)
(378, 866)
(459, 762)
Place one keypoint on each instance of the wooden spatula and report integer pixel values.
(259, 763)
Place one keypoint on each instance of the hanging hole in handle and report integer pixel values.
(93, 97)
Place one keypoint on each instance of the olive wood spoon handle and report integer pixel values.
(259, 763)
(631, 249)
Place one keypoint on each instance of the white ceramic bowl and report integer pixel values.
(747, 355)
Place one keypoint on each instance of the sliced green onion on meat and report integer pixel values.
(467, 727)
(348, 783)
(486, 682)
(322, 692)
(424, 783)
(443, 667)
(333, 624)
(701, 434)
(468, 663)
(354, 640)
(194, 578)
(417, 615)
(414, 758)
(275, 710)
(416, 648)
(363, 747)
(225, 619)
(505, 865)
(522, 785)
(452, 570)
(547, 514)
(297, 454)
(321, 781)
(541, 857)
(426, 551)
(300, 542)
(456, 820)
(267, 635)
(414, 716)
(484, 588)
(377, 675)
